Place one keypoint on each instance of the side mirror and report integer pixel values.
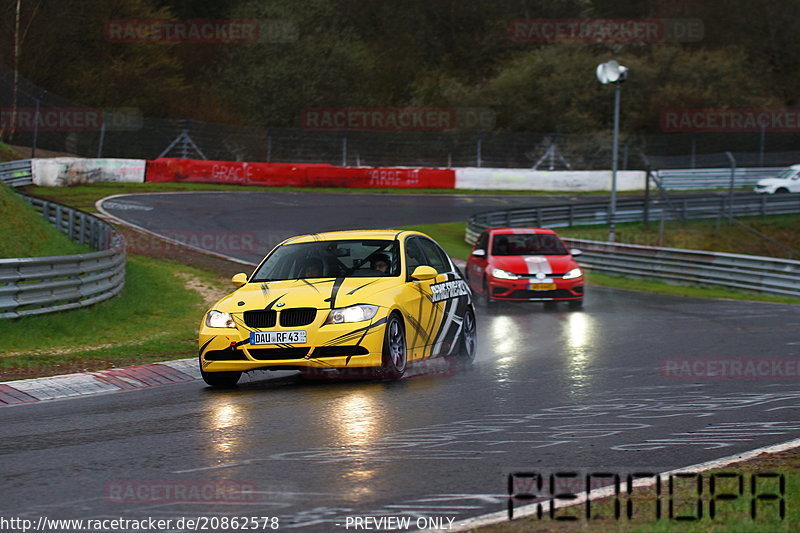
(479, 252)
(575, 252)
(424, 273)
(239, 279)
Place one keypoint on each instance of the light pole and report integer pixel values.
(613, 72)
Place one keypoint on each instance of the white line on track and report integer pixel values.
(99, 206)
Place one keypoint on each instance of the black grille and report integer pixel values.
(302, 316)
(266, 354)
(225, 355)
(559, 293)
(260, 319)
(339, 351)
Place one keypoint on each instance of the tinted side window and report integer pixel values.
(435, 255)
(483, 242)
(414, 255)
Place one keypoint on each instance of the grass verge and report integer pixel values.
(660, 287)
(731, 515)
(704, 234)
(25, 233)
(155, 318)
(449, 235)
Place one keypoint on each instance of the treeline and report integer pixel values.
(414, 53)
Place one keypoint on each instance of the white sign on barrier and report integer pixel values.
(543, 180)
(66, 171)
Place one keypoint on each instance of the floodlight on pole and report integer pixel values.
(613, 72)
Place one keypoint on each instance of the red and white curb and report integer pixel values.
(87, 383)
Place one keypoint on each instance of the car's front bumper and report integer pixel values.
(328, 346)
(527, 291)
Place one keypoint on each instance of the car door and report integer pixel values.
(794, 182)
(416, 301)
(476, 265)
(450, 297)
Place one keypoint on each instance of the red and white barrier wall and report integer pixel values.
(64, 171)
(297, 174)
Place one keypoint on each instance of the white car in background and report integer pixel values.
(786, 181)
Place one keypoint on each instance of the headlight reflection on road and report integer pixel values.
(503, 332)
(504, 339)
(357, 420)
(222, 415)
(358, 426)
(579, 332)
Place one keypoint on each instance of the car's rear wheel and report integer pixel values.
(221, 380)
(394, 348)
(468, 341)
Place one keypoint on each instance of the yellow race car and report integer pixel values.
(339, 302)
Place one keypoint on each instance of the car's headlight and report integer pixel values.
(574, 273)
(355, 313)
(218, 319)
(503, 274)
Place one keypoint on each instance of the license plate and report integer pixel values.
(297, 336)
(542, 286)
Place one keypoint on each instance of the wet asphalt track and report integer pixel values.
(549, 390)
(208, 220)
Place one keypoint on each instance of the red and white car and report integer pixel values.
(524, 264)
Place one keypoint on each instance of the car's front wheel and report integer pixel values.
(486, 298)
(220, 380)
(394, 348)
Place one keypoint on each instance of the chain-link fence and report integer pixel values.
(66, 127)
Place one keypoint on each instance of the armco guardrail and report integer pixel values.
(761, 274)
(16, 173)
(37, 285)
(746, 272)
(714, 178)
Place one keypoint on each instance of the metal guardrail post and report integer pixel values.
(646, 216)
(732, 161)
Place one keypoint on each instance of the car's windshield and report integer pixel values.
(527, 244)
(331, 259)
(787, 173)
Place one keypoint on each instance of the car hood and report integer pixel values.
(321, 293)
(771, 181)
(534, 264)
